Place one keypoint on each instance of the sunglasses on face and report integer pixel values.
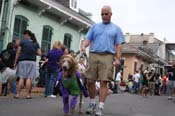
(104, 14)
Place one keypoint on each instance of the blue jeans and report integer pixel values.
(13, 87)
(50, 80)
(136, 87)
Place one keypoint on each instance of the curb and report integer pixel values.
(37, 90)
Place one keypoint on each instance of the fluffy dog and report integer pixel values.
(70, 83)
(68, 65)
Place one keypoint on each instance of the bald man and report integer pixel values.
(105, 40)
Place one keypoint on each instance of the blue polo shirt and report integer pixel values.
(105, 37)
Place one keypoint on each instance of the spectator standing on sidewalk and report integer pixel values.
(53, 68)
(136, 78)
(144, 89)
(105, 40)
(171, 81)
(26, 62)
(152, 78)
(164, 84)
(141, 81)
(157, 84)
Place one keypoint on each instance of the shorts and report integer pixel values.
(171, 83)
(100, 66)
(27, 69)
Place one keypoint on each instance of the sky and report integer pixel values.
(137, 16)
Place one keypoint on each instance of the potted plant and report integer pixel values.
(122, 86)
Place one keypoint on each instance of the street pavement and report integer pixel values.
(122, 104)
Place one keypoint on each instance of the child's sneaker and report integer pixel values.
(91, 108)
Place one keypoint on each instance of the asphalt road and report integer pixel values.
(122, 104)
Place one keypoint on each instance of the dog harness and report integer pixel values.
(72, 85)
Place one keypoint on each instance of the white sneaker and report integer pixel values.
(52, 96)
(99, 112)
(170, 98)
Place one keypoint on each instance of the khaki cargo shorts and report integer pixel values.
(100, 66)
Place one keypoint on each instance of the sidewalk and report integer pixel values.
(36, 91)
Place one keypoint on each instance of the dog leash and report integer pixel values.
(83, 55)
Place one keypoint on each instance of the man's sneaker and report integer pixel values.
(170, 98)
(99, 112)
(91, 109)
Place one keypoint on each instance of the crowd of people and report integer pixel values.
(18, 66)
(149, 83)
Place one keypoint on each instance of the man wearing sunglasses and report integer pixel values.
(105, 40)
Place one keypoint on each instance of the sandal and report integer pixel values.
(29, 97)
(15, 97)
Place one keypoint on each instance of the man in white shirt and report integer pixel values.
(136, 78)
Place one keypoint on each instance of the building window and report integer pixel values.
(135, 66)
(73, 5)
(46, 39)
(67, 40)
(141, 67)
(122, 62)
(0, 6)
(147, 67)
(20, 26)
(4, 6)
